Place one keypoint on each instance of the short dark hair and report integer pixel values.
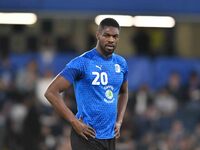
(109, 22)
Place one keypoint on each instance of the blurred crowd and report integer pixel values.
(163, 119)
(167, 118)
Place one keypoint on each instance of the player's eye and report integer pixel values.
(106, 35)
(116, 36)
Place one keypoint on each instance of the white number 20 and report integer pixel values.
(100, 78)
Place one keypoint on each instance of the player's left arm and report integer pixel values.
(122, 103)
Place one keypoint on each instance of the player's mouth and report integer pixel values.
(110, 47)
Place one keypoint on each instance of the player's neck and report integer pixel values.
(101, 52)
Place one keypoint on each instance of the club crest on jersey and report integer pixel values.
(117, 68)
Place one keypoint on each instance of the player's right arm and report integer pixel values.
(58, 85)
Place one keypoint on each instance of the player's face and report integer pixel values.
(108, 38)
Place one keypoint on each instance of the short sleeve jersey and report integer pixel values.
(97, 81)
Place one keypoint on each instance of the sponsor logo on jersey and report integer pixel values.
(109, 96)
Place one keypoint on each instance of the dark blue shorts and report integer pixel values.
(79, 143)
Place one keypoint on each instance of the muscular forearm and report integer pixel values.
(58, 104)
(122, 103)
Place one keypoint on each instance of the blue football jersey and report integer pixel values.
(97, 81)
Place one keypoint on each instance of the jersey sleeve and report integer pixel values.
(125, 71)
(73, 70)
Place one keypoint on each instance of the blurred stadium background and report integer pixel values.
(164, 72)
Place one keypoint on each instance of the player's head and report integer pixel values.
(110, 22)
(107, 36)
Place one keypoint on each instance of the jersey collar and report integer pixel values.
(96, 52)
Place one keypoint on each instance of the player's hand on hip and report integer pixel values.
(84, 130)
(117, 130)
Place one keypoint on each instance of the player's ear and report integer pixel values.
(97, 35)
